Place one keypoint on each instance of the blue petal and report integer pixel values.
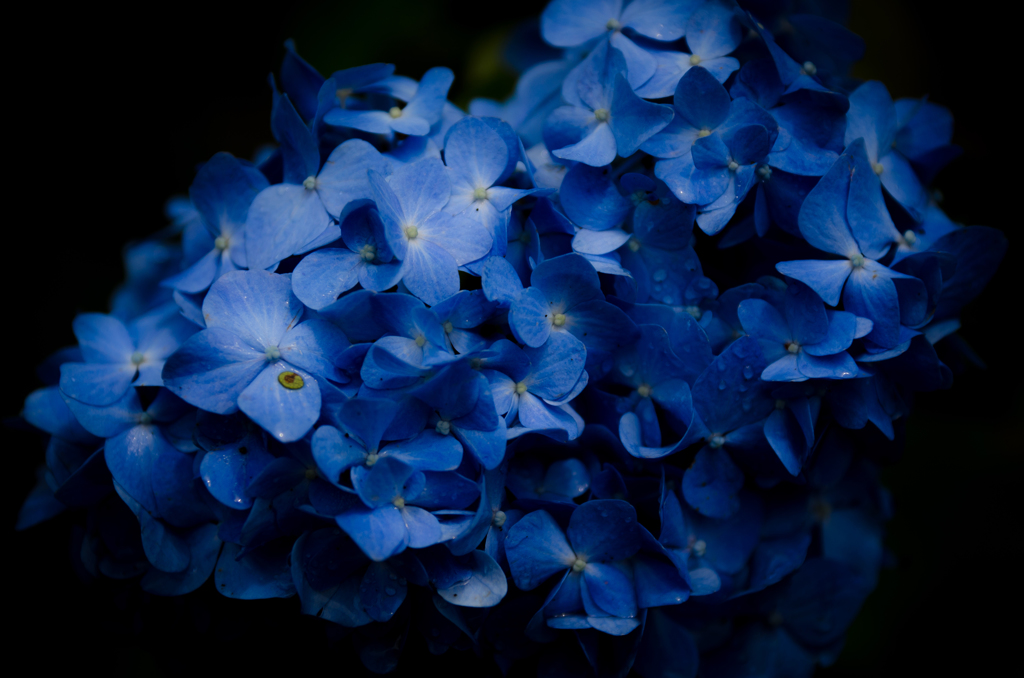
(385, 481)
(787, 440)
(604, 530)
(342, 183)
(130, 456)
(530, 318)
(204, 546)
(317, 346)
(868, 217)
(286, 413)
(837, 366)
(445, 490)
(595, 147)
(380, 532)
(428, 451)
(321, 277)
(762, 321)
(227, 473)
(259, 573)
(725, 396)
(556, 367)
(568, 23)
(281, 220)
(871, 293)
(700, 100)
(165, 550)
(712, 482)
(536, 549)
(431, 272)
(663, 20)
(367, 419)
(823, 216)
(381, 592)
(633, 120)
(375, 122)
(824, 277)
(611, 589)
(485, 588)
(872, 117)
(475, 153)
(257, 306)
(98, 384)
(424, 529)
(431, 94)
(212, 368)
(590, 198)
(299, 152)
(713, 31)
(38, 506)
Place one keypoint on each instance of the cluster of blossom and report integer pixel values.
(413, 354)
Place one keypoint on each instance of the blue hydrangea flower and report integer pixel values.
(256, 356)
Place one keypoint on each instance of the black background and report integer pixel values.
(110, 111)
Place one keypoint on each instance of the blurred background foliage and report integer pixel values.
(111, 112)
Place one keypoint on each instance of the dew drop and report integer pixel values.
(390, 591)
(748, 372)
(659, 275)
(721, 386)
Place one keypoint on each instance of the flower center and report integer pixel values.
(368, 252)
(521, 388)
(309, 183)
(371, 458)
(700, 547)
(310, 473)
(579, 564)
(138, 358)
(765, 172)
(878, 168)
(273, 353)
(733, 165)
(421, 341)
(716, 441)
(909, 237)
(703, 133)
(792, 347)
(395, 112)
(221, 243)
(443, 427)
(694, 311)
(694, 60)
(644, 390)
(634, 245)
(602, 114)
(558, 320)
(809, 68)
(411, 232)
(480, 193)
(399, 502)
(448, 327)
(857, 260)
(613, 25)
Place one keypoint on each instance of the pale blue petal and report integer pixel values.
(285, 413)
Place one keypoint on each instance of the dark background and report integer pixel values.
(111, 111)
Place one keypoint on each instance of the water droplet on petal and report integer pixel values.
(659, 275)
(390, 591)
(748, 372)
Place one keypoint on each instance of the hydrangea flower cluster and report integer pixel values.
(464, 374)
